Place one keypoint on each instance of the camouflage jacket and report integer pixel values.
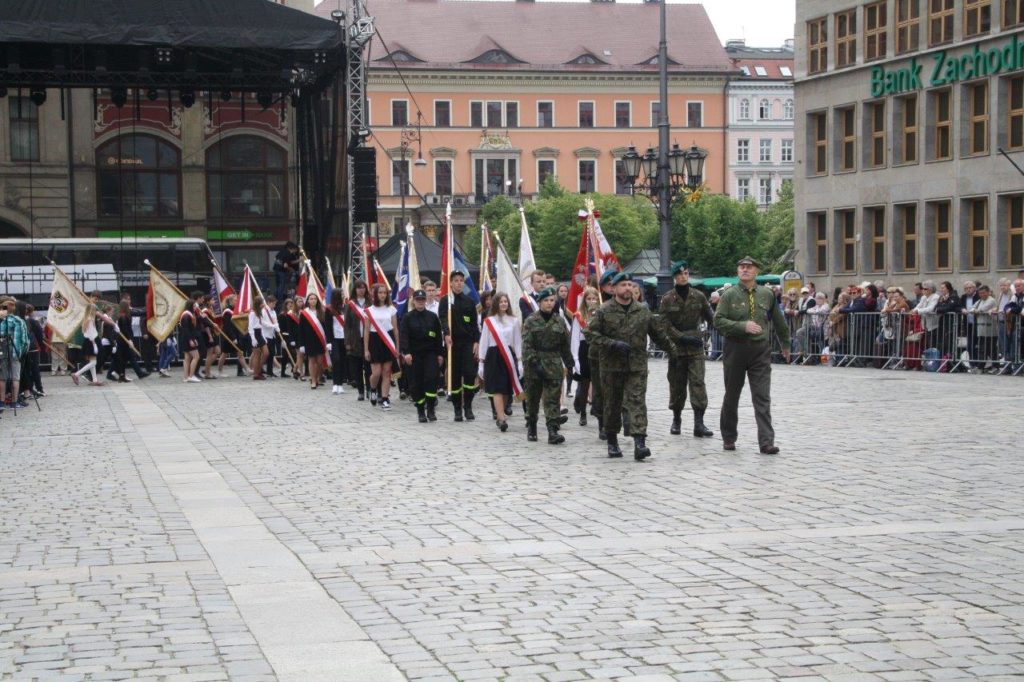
(546, 342)
(738, 305)
(683, 316)
(632, 323)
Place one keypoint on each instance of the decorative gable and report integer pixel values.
(586, 58)
(494, 56)
(399, 56)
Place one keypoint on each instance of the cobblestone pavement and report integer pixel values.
(243, 531)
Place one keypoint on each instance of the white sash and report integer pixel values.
(506, 355)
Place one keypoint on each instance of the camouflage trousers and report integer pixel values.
(596, 404)
(548, 391)
(682, 372)
(624, 392)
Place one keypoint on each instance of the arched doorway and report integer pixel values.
(9, 230)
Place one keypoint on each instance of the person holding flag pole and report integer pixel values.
(256, 285)
(462, 334)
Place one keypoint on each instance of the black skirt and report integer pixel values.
(378, 351)
(89, 349)
(496, 378)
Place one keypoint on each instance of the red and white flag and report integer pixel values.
(309, 283)
(578, 279)
(221, 286)
(380, 277)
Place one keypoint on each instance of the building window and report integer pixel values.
(847, 139)
(742, 189)
(977, 233)
(494, 118)
(818, 223)
(399, 112)
(400, 177)
(817, 45)
(941, 226)
(875, 31)
(977, 97)
(623, 114)
(820, 159)
(443, 177)
(743, 151)
(476, 114)
(24, 132)
(694, 114)
(908, 25)
(586, 114)
(442, 113)
(1015, 231)
(848, 240)
(787, 151)
(494, 176)
(907, 217)
(876, 121)
(942, 112)
(587, 175)
(545, 114)
(846, 38)
(764, 109)
(545, 170)
(788, 110)
(875, 219)
(1013, 13)
(764, 191)
(511, 114)
(908, 140)
(765, 152)
(977, 17)
(744, 109)
(1015, 125)
(622, 185)
(655, 114)
(940, 21)
(139, 177)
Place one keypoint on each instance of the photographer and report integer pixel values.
(13, 346)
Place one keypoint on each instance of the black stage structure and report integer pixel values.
(183, 50)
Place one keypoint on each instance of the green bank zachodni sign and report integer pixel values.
(948, 69)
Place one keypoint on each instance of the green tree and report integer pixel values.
(714, 232)
(777, 227)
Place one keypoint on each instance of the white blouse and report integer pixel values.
(382, 314)
(508, 330)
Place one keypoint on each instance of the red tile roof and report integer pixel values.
(771, 67)
(544, 35)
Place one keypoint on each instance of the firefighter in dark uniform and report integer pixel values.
(594, 355)
(422, 340)
(683, 308)
(742, 317)
(546, 353)
(463, 337)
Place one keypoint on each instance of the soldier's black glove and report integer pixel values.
(691, 341)
(620, 347)
(538, 369)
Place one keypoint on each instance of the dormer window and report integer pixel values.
(495, 56)
(586, 58)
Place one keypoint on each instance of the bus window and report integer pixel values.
(191, 258)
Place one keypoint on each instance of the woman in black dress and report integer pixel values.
(314, 338)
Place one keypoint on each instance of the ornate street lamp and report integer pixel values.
(410, 136)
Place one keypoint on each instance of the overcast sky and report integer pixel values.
(764, 23)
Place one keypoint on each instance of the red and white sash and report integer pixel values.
(360, 313)
(384, 336)
(294, 317)
(506, 355)
(318, 328)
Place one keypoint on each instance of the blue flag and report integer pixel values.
(470, 287)
(402, 289)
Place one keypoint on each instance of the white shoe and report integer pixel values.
(194, 380)
(220, 375)
(341, 389)
(334, 390)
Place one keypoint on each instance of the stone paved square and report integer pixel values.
(233, 530)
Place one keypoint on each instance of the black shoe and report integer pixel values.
(402, 395)
(373, 398)
(431, 415)
(362, 396)
(563, 418)
(564, 411)
(640, 449)
(468, 411)
(583, 418)
(601, 433)
(729, 445)
(503, 426)
(458, 413)
(531, 431)
(769, 449)
(554, 437)
(613, 446)
(508, 409)
(421, 414)
(677, 423)
(699, 430)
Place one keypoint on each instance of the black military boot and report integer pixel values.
(677, 423)
(421, 413)
(600, 429)
(431, 415)
(699, 430)
(640, 449)
(467, 405)
(531, 430)
(583, 418)
(457, 404)
(613, 446)
(554, 437)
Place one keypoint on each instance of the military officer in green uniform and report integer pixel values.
(683, 308)
(620, 329)
(594, 355)
(545, 353)
(742, 317)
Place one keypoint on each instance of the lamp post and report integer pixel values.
(667, 171)
(410, 136)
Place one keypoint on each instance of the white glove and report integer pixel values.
(480, 371)
(328, 348)
(520, 368)
(105, 342)
(302, 349)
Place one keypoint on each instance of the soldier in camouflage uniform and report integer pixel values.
(594, 355)
(620, 329)
(683, 308)
(545, 353)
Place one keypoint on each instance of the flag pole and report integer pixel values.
(277, 332)
(57, 267)
(451, 299)
(219, 330)
(130, 343)
(57, 352)
(591, 234)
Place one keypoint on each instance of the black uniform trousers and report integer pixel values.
(464, 369)
(740, 360)
(338, 362)
(422, 378)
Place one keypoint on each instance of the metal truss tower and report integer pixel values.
(359, 32)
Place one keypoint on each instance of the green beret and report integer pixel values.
(748, 260)
(621, 277)
(545, 292)
(680, 265)
(606, 278)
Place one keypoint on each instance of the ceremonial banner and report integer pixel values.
(221, 287)
(164, 305)
(447, 256)
(68, 307)
(243, 306)
(527, 266)
(379, 276)
(580, 271)
(507, 281)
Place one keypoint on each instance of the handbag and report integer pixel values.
(914, 337)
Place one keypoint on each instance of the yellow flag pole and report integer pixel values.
(277, 332)
(216, 327)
